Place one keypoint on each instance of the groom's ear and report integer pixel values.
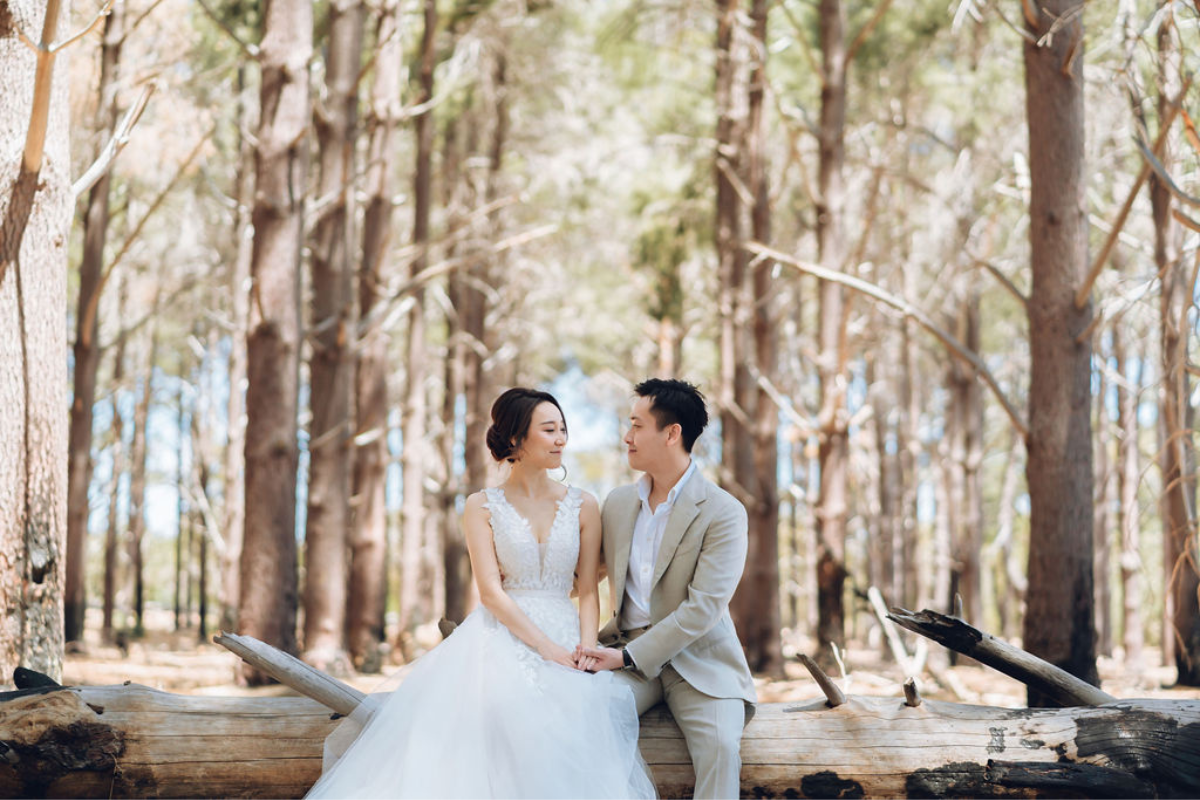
(674, 433)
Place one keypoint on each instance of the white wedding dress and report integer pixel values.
(483, 715)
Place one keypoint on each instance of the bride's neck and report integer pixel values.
(527, 482)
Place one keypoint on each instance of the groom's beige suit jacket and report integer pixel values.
(697, 570)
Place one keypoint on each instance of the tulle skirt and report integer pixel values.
(483, 716)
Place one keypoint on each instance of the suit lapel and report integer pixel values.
(686, 509)
(627, 516)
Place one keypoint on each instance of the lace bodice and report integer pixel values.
(526, 564)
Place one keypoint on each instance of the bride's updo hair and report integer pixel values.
(512, 414)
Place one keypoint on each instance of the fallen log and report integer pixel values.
(133, 741)
(960, 636)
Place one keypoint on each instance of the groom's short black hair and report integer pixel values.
(676, 402)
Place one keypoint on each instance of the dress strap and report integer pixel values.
(573, 499)
(492, 495)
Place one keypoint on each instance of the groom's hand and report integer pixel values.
(583, 661)
(604, 657)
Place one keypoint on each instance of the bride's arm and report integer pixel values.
(491, 591)
(587, 577)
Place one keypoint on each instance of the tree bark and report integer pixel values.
(484, 276)
(1011, 600)
(1059, 617)
(733, 300)
(833, 454)
(35, 218)
(1101, 526)
(181, 509)
(112, 551)
(415, 406)
(137, 480)
(1177, 455)
(267, 590)
(908, 448)
(968, 456)
(87, 345)
(149, 742)
(456, 565)
(1050, 681)
(368, 534)
(233, 518)
(331, 367)
(758, 620)
(1128, 511)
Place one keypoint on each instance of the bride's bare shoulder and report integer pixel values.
(476, 503)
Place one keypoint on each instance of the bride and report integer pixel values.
(502, 707)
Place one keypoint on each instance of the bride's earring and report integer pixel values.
(563, 479)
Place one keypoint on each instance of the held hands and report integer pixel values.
(582, 660)
(557, 654)
(587, 659)
(599, 658)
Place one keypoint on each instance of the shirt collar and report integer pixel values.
(645, 482)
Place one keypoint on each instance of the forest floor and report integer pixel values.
(176, 661)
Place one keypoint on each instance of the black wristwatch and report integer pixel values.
(627, 659)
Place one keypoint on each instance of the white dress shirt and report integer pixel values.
(643, 552)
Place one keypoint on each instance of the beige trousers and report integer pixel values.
(712, 728)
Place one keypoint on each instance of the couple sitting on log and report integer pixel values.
(526, 698)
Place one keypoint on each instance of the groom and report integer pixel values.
(674, 549)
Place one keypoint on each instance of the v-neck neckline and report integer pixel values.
(558, 507)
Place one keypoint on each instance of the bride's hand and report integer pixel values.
(582, 661)
(557, 654)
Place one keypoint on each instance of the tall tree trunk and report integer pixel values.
(1177, 455)
(368, 534)
(112, 551)
(35, 219)
(1011, 602)
(331, 367)
(200, 556)
(267, 605)
(1129, 521)
(908, 448)
(1101, 532)
(87, 346)
(833, 454)
(735, 299)
(456, 564)
(1059, 605)
(233, 519)
(731, 257)
(475, 330)
(758, 620)
(413, 513)
(181, 509)
(137, 481)
(967, 453)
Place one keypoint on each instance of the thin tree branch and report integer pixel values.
(116, 144)
(801, 421)
(865, 31)
(94, 302)
(104, 11)
(1085, 289)
(43, 80)
(248, 48)
(423, 277)
(1165, 176)
(140, 19)
(1185, 220)
(909, 310)
(805, 47)
(1003, 279)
